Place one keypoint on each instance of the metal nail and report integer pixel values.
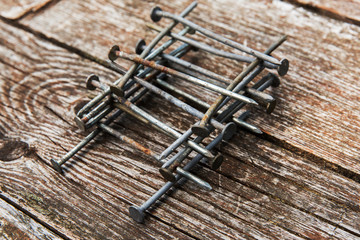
(157, 13)
(281, 70)
(183, 76)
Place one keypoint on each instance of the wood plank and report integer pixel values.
(16, 225)
(317, 112)
(17, 9)
(36, 78)
(105, 179)
(348, 10)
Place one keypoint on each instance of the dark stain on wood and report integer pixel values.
(11, 149)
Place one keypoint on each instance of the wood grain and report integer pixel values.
(17, 225)
(348, 10)
(317, 112)
(17, 9)
(261, 196)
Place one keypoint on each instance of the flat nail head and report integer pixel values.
(140, 46)
(200, 131)
(137, 214)
(275, 80)
(284, 67)
(217, 161)
(270, 106)
(80, 123)
(228, 131)
(116, 90)
(167, 174)
(155, 14)
(112, 53)
(89, 80)
(56, 166)
(162, 76)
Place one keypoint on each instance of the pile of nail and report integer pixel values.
(150, 71)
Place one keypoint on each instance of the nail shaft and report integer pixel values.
(210, 34)
(212, 50)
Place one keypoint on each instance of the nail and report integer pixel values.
(183, 76)
(282, 71)
(157, 14)
(176, 101)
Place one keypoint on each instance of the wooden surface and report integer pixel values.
(300, 180)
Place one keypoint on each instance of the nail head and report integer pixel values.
(155, 14)
(56, 166)
(112, 53)
(140, 46)
(167, 174)
(90, 78)
(137, 214)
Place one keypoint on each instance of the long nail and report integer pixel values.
(157, 14)
(282, 71)
(183, 76)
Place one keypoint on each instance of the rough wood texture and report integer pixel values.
(262, 191)
(16, 9)
(16, 225)
(348, 10)
(317, 112)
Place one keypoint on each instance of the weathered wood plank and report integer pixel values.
(317, 111)
(36, 78)
(17, 225)
(99, 186)
(16, 9)
(348, 10)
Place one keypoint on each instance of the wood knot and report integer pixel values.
(11, 149)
